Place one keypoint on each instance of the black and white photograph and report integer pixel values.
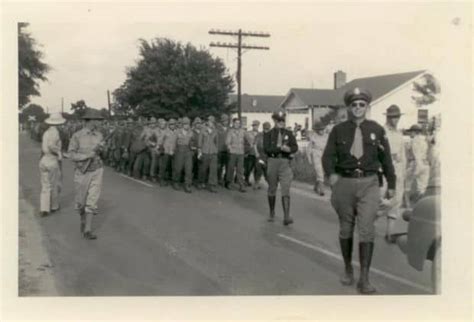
(255, 150)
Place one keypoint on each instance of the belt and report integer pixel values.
(279, 156)
(357, 173)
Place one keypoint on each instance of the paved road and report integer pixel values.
(157, 241)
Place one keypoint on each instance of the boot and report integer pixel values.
(89, 235)
(44, 214)
(366, 250)
(176, 186)
(187, 188)
(346, 250)
(286, 210)
(320, 188)
(271, 204)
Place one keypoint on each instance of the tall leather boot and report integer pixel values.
(271, 204)
(286, 210)
(346, 250)
(366, 250)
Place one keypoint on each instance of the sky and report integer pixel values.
(90, 50)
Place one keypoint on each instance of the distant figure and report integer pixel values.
(418, 166)
(314, 151)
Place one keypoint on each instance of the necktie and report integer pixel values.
(279, 140)
(357, 149)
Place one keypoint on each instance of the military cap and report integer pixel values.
(224, 117)
(92, 114)
(357, 94)
(55, 119)
(129, 120)
(185, 120)
(256, 122)
(197, 120)
(393, 111)
(161, 120)
(318, 125)
(279, 116)
(211, 118)
(152, 120)
(172, 122)
(179, 120)
(415, 128)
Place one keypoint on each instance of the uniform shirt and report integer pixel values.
(137, 143)
(270, 143)
(259, 145)
(158, 136)
(235, 141)
(126, 139)
(51, 144)
(337, 157)
(397, 144)
(82, 145)
(169, 141)
(250, 142)
(207, 141)
(183, 137)
(116, 139)
(195, 138)
(221, 137)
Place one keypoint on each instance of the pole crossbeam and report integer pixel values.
(239, 46)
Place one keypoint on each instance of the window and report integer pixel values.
(422, 116)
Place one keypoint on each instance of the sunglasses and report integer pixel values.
(360, 104)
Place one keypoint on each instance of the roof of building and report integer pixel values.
(378, 86)
(258, 103)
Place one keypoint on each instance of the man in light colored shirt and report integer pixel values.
(235, 145)
(183, 158)
(318, 139)
(166, 159)
(50, 165)
(156, 144)
(418, 165)
(207, 153)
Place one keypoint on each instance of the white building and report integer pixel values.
(257, 107)
(386, 90)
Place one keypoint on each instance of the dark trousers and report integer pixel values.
(165, 162)
(155, 157)
(142, 164)
(183, 160)
(196, 167)
(236, 161)
(249, 165)
(222, 160)
(208, 163)
(131, 162)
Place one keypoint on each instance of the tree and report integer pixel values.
(33, 111)
(79, 108)
(426, 90)
(31, 68)
(172, 79)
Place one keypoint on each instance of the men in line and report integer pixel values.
(317, 142)
(279, 144)
(235, 145)
(250, 151)
(207, 153)
(183, 156)
(397, 148)
(84, 149)
(167, 145)
(355, 150)
(157, 152)
(50, 165)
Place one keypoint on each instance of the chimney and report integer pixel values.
(339, 79)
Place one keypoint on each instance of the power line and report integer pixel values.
(239, 46)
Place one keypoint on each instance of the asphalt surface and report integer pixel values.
(158, 241)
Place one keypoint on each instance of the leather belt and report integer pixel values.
(357, 173)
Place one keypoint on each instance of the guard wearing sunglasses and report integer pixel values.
(355, 150)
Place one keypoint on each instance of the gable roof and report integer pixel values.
(378, 86)
(258, 103)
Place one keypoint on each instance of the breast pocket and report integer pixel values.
(371, 146)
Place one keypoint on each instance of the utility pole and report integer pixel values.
(62, 104)
(108, 102)
(239, 46)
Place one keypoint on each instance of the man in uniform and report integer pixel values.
(207, 152)
(197, 128)
(166, 160)
(397, 148)
(355, 150)
(50, 165)
(235, 145)
(261, 158)
(317, 142)
(84, 149)
(183, 157)
(125, 141)
(156, 153)
(279, 144)
(250, 158)
(222, 153)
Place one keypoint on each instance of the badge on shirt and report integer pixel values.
(372, 136)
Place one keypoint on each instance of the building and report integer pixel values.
(257, 107)
(302, 104)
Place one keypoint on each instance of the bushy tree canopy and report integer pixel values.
(172, 79)
(427, 90)
(31, 68)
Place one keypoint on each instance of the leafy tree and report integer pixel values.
(427, 90)
(172, 79)
(79, 108)
(31, 68)
(35, 111)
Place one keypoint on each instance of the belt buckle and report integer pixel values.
(358, 173)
